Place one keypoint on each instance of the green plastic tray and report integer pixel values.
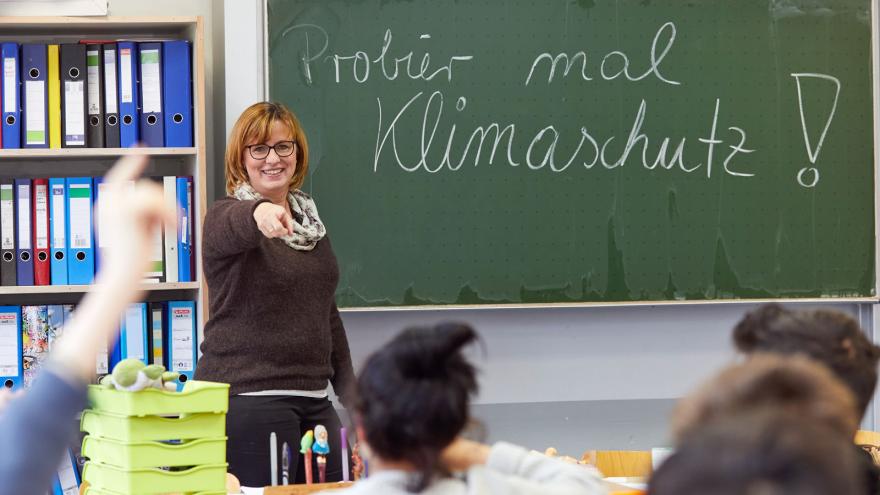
(98, 491)
(144, 428)
(154, 454)
(196, 397)
(145, 481)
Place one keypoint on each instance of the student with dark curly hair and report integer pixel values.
(765, 451)
(795, 385)
(412, 403)
(829, 337)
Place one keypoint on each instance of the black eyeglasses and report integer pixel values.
(282, 149)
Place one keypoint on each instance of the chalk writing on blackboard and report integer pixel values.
(720, 148)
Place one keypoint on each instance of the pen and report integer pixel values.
(344, 449)
(273, 458)
(285, 463)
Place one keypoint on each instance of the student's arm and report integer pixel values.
(36, 428)
(514, 470)
(340, 358)
(129, 226)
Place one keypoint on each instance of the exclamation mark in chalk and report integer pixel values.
(809, 176)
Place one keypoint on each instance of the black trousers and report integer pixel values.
(252, 419)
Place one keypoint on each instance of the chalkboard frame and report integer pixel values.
(872, 300)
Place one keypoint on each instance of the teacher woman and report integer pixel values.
(274, 332)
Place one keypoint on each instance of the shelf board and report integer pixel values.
(97, 22)
(72, 289)
(25, 153)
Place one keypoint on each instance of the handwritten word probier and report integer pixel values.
(360, 63)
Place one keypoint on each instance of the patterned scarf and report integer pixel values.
(306, 233)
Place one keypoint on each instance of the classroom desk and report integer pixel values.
(303, 489)
(613, 488)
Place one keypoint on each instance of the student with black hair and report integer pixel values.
(412, 403)
(765, 451)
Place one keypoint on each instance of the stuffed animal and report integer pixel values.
(132, 375)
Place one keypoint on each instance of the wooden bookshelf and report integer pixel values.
(69, 162)
(70, 153)
(73, 289)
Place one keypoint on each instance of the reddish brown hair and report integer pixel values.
(255, 125)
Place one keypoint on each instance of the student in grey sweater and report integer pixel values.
(413, 398)
(36, 426)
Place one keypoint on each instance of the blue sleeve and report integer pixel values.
(35, 429)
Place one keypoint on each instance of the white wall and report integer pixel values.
(545, 364)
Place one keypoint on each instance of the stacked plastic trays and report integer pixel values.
(155, 441)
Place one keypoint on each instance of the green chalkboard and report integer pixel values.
(513, 152)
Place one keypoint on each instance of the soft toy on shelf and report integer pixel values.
(132, 375)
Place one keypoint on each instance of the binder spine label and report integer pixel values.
(10, 91)
(150, 81)
(41, 222)
(58, 236)
(126, 90)
(110, 81)
(134, 330)
(93, 75)
(182, 339)
(7, 234)
(36, 112)
(24, 217)
(75, 129)
(80, 212)
(9, 358)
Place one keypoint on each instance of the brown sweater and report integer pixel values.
(273, 319)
